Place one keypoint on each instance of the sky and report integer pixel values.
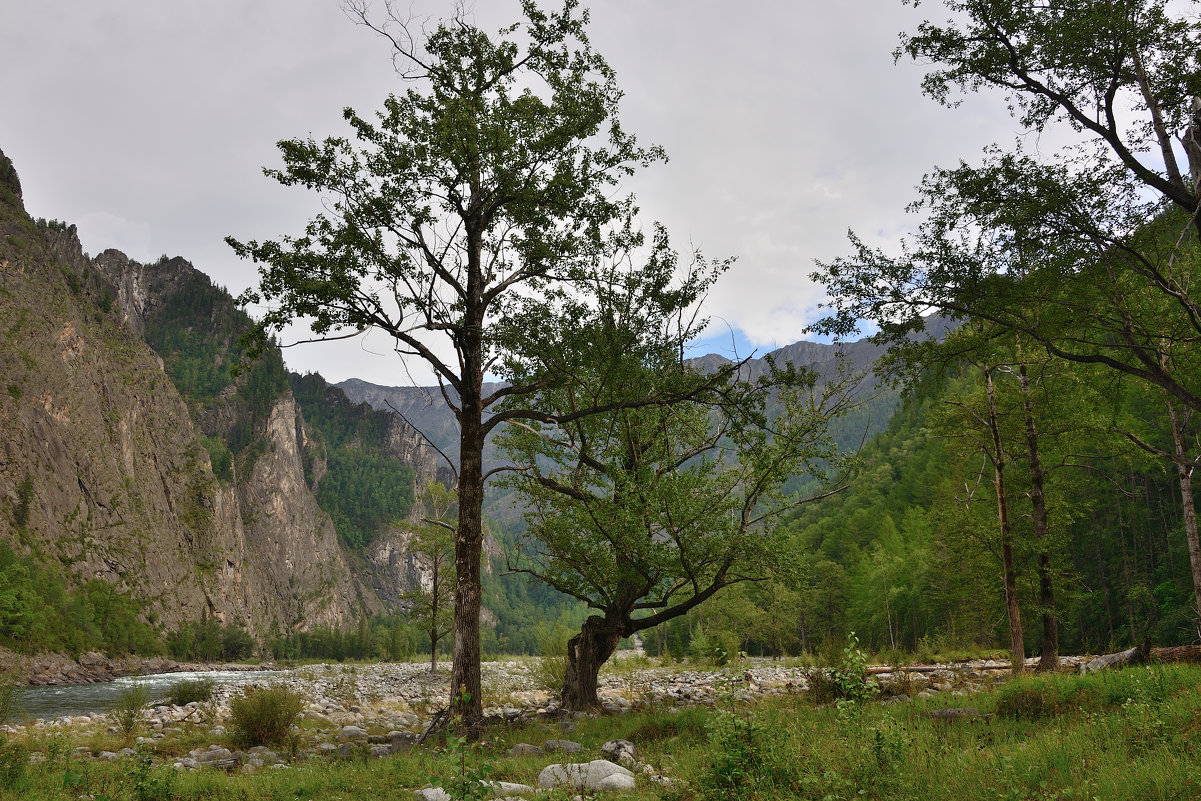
(148, 123)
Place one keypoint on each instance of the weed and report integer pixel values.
(747, 759)
(148, 782)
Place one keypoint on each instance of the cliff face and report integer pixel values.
(99, 465)
(102, 463)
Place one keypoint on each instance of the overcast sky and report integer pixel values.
(147, 124)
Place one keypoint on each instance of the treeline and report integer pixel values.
(909, 556)
(40, 612)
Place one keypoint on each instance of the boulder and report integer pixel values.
(622, 752)
(566, 746)
(599, 774)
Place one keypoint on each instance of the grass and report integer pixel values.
(1127, 734)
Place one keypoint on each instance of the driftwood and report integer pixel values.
(1131, 656)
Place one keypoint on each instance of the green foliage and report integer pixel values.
(381, 638)
(129, 710)
(364, 491)
(191, 691)
(748, 759)
(39, 613)
(220, 456)
(10, 184)
(209, 641)
(264, 715)
(196, 328)
(431, 609)
(14, 765)
(470, 168)
(24, 498)
(150, 782)
(471, 781)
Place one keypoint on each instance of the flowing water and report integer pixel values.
(78, 699)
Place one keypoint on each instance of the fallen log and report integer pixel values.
(1131, 656)
(876, 670)
(1179, 653)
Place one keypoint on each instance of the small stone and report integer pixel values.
(526, 749)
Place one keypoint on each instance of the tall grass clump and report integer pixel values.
(551, 671)
(264, 715)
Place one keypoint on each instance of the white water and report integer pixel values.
(78, 699)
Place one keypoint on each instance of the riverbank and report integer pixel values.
(43, 670)
(1120, 734)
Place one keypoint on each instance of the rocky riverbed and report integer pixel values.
(384, 708)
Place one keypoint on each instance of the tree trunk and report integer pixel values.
(586, 652)
(1049, 659)
(1184, 472)
(1017, 645)
(465, 670)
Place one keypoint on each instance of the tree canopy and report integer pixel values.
(464, 221)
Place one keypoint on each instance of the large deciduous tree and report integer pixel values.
(474, 202)
(646, 512)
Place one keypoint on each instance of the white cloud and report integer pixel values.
(786, 123)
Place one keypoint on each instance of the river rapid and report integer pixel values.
(52, 702)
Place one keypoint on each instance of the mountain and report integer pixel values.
(426, 410)
(132, 453)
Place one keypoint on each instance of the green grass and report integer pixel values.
(1128, 734)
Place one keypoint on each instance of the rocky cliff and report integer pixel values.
(107, 469)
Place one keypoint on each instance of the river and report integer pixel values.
(79, 699)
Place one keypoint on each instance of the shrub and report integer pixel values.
(190, 691)
(264, 715)
(748, 759)
(127, 714)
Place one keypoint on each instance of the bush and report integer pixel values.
(748, 759)
(190, 691)
(264, 715)
(127, 714)
(846, 683)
